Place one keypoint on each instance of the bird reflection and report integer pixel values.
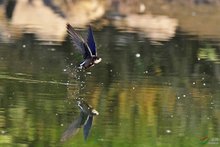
(86, 48)
(83, 120)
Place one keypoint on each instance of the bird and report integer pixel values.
(84, 120)
(86, 47)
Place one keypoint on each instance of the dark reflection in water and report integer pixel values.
(84, 120)
(147, 95)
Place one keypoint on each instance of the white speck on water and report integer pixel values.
(52, 49)
(133, 88)
(146, 72)
(3, 132)
(89, 73)
(61, 125)
(204, 84)
(178, 97)
(42, 68)
(184, 95)
(194, 83)
(203, 78)
(110, 70)
(24, 46)
(101, 139)
(64, 70)
(168, 131)
(198, 59)
(138, 55)
(56, 114)
(171, 116)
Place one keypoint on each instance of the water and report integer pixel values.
(149, 91)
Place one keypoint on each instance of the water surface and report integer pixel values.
(149, 92)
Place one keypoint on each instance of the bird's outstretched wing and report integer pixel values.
(77, 40)
(91, 42)
(72, 129)
(87, 127)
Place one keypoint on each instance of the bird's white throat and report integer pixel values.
(98, 60)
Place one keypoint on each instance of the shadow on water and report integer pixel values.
(149, 90)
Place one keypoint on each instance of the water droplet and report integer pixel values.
(52, 49)
(138, 55)
(194, 83)
(204, 84)
(168, 131)
(184, 95)
(65, 70)
(24, 46)
(178, 97)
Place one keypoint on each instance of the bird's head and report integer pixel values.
(86, 108)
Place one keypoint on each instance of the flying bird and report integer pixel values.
(84, 120)
(86, 47)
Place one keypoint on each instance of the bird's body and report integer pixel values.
(86, 48)
(84, 120)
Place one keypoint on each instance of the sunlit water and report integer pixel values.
(147, 93)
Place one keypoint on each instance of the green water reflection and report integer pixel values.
(147, 95)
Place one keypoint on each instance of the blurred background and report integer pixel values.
(158, 83)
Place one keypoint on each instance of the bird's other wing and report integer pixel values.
(77, 40)
(87, 127)
(91, 42)
(72, 129)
